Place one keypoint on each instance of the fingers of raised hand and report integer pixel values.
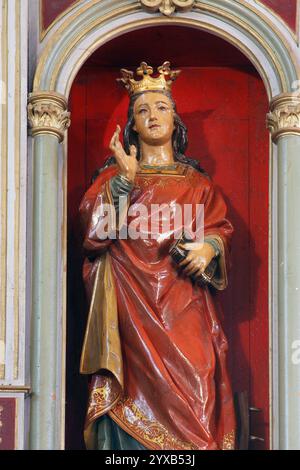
(115, 140)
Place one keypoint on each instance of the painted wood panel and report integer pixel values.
(7, 423)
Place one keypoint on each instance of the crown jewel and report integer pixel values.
(148, 83)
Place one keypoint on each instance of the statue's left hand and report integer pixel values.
(198, 258)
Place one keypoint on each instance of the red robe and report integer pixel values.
(162, 373)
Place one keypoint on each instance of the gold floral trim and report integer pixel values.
(228, 442)
(150, 182)
(156, 170)
(150, 433)
(102, 398)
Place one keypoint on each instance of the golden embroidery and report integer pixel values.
(149, 181)
(173, 170)
(229, 441)
(148, 177)
(102, 398)
(151, 433)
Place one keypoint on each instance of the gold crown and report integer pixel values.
(163, 82)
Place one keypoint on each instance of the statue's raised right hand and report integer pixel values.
(127, 164)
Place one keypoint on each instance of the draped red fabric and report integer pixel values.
(176, 387)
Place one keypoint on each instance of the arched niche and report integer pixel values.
(271, 48)
(223, 101)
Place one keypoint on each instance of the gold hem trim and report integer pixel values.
(150, 433)
(228, 442)
(103, 411)
(178, 170)
(130, 431)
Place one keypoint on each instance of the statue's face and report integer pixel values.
(154, 118)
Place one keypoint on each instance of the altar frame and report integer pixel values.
(274, 51)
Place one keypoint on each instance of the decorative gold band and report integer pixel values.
(47, 114)
(284, 115)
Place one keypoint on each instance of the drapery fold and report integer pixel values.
(154, 343)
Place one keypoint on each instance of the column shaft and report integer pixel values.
(289, 290)
(44, 317)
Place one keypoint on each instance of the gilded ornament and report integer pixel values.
(167, 7)
(153, 434)
(284, 115)
(147, 82)
(229, 441)
(47, 114)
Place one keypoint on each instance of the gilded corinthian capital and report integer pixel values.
(284, 115)
(167, 7)
(47, 114)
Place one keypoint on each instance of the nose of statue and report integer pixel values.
(153, 117)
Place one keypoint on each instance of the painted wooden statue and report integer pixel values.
(154, 346)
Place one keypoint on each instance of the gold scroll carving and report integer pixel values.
(167, 7)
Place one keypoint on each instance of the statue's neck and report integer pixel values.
(156, 154)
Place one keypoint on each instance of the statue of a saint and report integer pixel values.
(153, 345)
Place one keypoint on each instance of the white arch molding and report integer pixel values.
(272, 49)
(269, 46)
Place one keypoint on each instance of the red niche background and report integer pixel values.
(51, 9)
(223, 102)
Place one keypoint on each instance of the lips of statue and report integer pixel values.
(154, 118)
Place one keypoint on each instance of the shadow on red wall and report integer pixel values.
(222, 100)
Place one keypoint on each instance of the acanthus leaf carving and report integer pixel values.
(284, 115)
(47, 114)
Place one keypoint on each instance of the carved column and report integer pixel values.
(48, 120)
(48, 115)
(284, 124)
(284, 116)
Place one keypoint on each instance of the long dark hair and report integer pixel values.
(179, 137)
